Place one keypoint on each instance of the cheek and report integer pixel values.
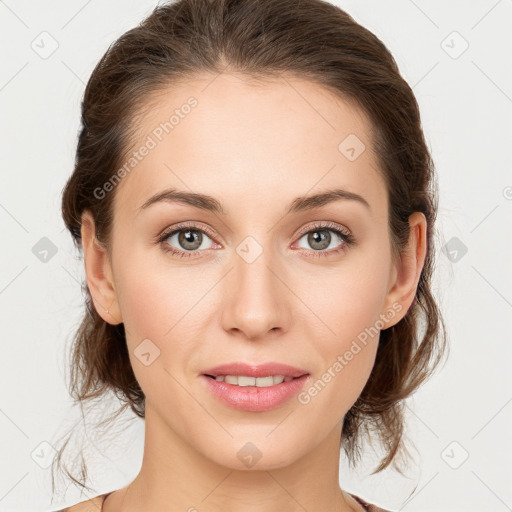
(143, 303)
(348, 355)
(160, 303)
(352, 297)
(366, 284)
(351, 306)
(154, 296)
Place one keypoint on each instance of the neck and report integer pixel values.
(175, 476)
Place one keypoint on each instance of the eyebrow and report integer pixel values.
(209, 203)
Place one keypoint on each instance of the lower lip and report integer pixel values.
(253, 398)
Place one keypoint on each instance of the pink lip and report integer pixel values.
(253, 398)
(263, 370)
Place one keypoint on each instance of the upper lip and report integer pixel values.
(252, 370)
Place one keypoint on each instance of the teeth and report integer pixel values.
(260, 382)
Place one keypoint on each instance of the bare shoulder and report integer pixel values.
(368, 506)
(96, 505)
(375, 508)
(92, 505)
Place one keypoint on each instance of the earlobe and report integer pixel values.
(409, 267)
(99, 273)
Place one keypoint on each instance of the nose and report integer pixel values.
(255, 297)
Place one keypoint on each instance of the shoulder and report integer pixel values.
(96, 504)
(92, 505)
(368, 506)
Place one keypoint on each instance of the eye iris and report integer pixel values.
(191, 237)
(322, 237)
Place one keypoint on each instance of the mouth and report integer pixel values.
(246, 380)
(247, 371)
(253, 394)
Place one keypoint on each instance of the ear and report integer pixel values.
(98, 272)
(406, 273)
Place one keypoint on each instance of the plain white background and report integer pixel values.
(456, 56)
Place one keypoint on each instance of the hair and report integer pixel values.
(313, 40)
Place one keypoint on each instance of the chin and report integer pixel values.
(255, 452)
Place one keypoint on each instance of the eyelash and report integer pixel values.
(347, 238)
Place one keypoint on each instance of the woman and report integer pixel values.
(255, 203)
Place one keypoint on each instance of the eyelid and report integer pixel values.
(319, 224)
(197, 225)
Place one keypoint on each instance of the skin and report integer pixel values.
(254, 147)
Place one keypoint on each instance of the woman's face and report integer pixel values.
(266, 280)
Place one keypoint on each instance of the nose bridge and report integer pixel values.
(255, 303)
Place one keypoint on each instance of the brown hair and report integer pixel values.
(310, 39)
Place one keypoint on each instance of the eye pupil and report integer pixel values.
(321, 237)
(190, 237)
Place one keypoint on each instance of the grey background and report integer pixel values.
(458, 421)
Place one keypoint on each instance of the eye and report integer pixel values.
(189, 240)
(320, 239)
(187, 237)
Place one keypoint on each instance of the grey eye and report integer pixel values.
(189, 239)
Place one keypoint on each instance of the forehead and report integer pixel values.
(243, 140)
